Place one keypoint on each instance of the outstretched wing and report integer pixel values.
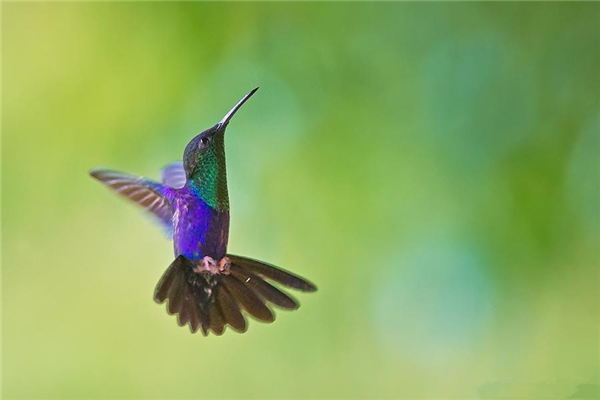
(152, 196)
(173, 175)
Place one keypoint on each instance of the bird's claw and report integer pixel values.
(211, 265)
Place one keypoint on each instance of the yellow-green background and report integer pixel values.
(432, 167)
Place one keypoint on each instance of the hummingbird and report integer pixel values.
(208, 288)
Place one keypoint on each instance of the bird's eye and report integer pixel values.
(204, 142)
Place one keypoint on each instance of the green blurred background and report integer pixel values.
(432, 167)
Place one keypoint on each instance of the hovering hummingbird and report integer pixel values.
(207, 287)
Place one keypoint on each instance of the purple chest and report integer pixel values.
(198, 229)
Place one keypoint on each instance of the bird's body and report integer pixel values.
(198, 229)
(207, 287)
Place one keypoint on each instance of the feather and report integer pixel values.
(274, 273)
(166, 281)
(253, 304)
(173, 175)
(264, 289)
(176, 294)
(185, 314)
(217, 323)
(152, 196)
(194, 318)
(230, 310)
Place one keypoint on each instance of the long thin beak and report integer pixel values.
(223, 123)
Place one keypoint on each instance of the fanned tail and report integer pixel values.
(210, 301)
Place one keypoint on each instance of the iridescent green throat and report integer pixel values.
(209, 181)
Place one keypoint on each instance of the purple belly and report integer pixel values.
(199, 230)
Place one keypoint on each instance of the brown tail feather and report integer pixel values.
(272, 272)
(217, 322)
(165, 283)
(264, 289)
(230, 310)
(244, 296)
(211, 301)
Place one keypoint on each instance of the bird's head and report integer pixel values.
(204, 160)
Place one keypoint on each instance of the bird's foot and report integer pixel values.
(211, 265)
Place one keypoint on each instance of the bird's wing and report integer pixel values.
(173, 175)
(149, 194)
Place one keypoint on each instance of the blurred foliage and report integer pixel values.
(432, 167)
